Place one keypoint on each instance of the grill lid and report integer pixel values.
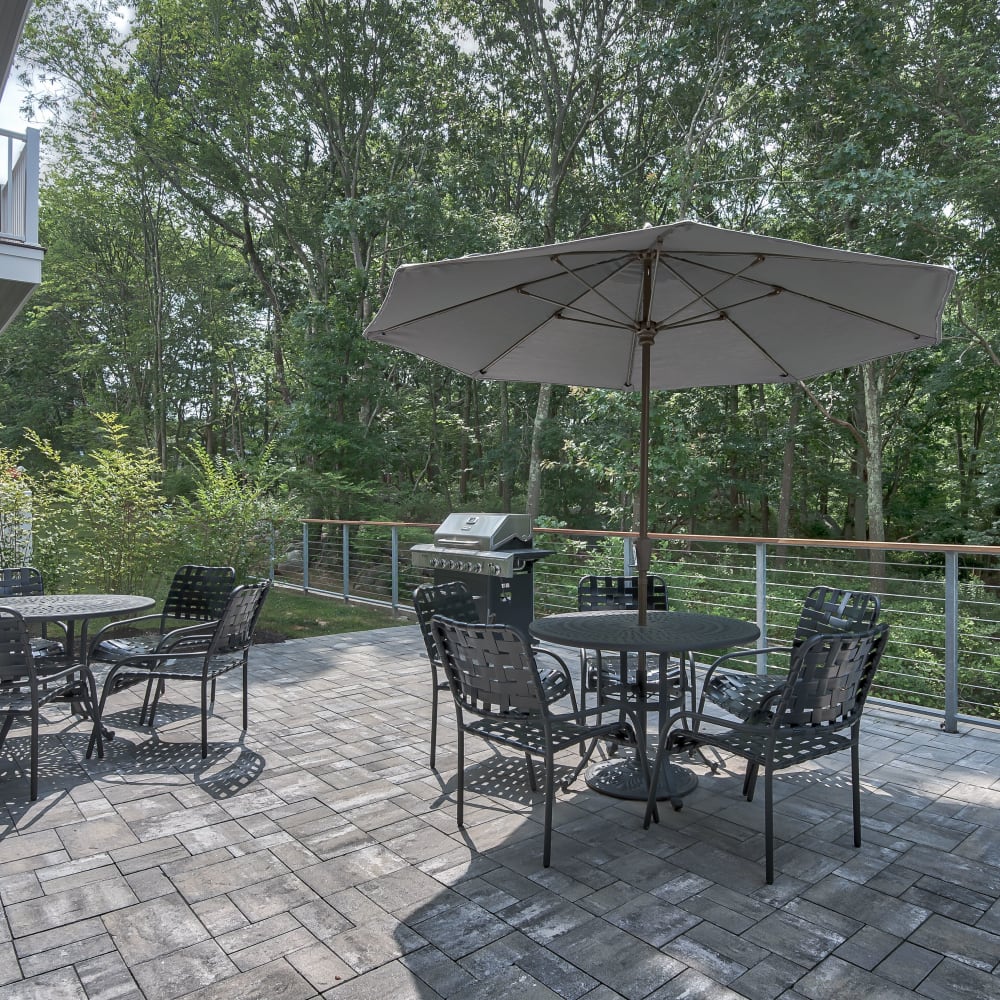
(483, 532)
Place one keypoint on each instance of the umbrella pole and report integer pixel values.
(643, 546)
(647, 333)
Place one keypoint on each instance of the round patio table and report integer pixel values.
(73, 608)
(677, 633)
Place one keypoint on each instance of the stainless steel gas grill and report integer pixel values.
(493, 555)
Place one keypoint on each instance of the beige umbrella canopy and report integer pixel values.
(665, 307)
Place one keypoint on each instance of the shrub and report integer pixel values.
(236, 513)
(103, 524)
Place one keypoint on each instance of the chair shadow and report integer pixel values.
(62, 763)
(215, 774)
(503, 776)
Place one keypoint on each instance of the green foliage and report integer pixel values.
(229, 187)
(236, 514)
(102, 524)
(15, 510)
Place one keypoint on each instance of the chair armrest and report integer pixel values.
(562, 668)
(580, 717)
(537, 650)
(742, 654)
(197, 634)
(148, 661)
(124, 622)
(691, 723)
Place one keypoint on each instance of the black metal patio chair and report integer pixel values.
(26, 581)
(499, 697)
(191, 654)
(611, 674)
(454, 600)
(825, 611)
(815, 712)
(197, 595)
(27, 684)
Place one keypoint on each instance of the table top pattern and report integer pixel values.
(664, 631)
(64, 607)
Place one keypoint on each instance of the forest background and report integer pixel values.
(229, 184)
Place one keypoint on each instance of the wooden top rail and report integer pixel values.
(823, 543)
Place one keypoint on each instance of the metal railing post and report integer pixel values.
(628, 556)
(761, 588)
(305, 556)
(273, 553)
(950, 724)
(346, 553)
(395, 568)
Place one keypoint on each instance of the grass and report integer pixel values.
(294, 615)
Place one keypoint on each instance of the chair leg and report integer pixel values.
(461, 775)
(532, 781)
(95, 713)
(100, 708)
(769, 823)
(161, 687)
(856, 790)
(652, 812)
(550, 794)
(584, 761)
(145, 701)
(34, 752)
(204, 718)
(750, 780)
(434, 723)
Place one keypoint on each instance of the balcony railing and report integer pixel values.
(943, 602)
(19, 186)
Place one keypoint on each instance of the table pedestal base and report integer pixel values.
(622, 777)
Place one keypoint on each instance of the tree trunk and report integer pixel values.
(463, 475)
(534, 497)
(876, 515)
(787, 473)
(506, 477)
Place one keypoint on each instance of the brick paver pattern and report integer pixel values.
(319, 857)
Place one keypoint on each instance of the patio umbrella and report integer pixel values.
(665, 307)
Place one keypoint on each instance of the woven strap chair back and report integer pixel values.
(20, 581)
(239, 618)
(490, 669)
(829, 610)
(619, 593)
(830, 678)
(199, 593)
(450, 600)
(16, 663)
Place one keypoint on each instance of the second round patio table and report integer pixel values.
(73, 608)
(675, 633)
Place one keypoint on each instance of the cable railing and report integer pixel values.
(943, 602)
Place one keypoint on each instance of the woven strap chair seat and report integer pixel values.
(525, 734)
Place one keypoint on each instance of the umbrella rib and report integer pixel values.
(723, 312)
(782, 289)
(628, 322)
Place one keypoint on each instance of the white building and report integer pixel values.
(20, 254)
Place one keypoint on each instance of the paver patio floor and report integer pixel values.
(319, 857)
